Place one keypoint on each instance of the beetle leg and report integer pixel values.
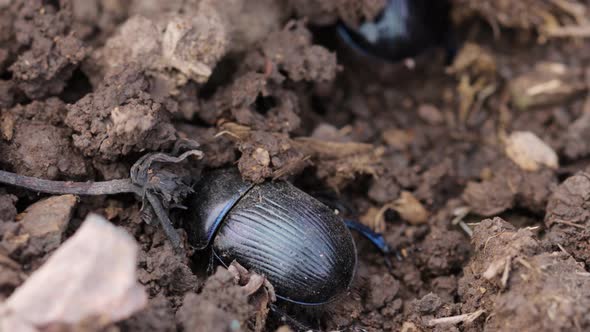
(213, 260)
(376, 238)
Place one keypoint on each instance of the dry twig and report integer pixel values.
(158, 188)
(465, 318)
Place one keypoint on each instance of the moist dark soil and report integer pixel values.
(477, 172)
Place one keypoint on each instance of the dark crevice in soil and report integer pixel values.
(76, 88)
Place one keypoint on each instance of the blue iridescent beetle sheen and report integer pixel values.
(302, 246)
(404, 29)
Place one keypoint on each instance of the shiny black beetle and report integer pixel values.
(303, 247)
(404, 29)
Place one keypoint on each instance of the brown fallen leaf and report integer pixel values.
(549, 83)
(431, 114)
(400, 139)
(529, 152)
(410, 327)
(93, 274)
(336, 162)
(308, 145)
(373, 219)
(410, 209)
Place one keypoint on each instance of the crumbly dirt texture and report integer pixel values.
(477, 172)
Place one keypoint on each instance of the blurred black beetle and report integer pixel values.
(404, 29)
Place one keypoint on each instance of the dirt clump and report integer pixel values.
(39, 230)
(443, 251)
(568, 214)
(163, 271)
(52, 49)
(173, 49)
(325, 12)
(520, 286)
(7, 209)
(221, 305)
(7, 90)
(293, 54)
(576, 141)
(37, 143)
(11, 274)
(120, 117)
(157, 316)
(512, 187)
(369, 306)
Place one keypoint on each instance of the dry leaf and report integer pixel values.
(410, 209)
(373, 219)
(529, 152)
(550, 83)
(93, 274)
(308, 145)
(261, 156)
(337, 162)
(400, 139)
(410, 327)
(430, 114)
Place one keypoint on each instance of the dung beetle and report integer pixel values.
(404, 29)
(303, 247)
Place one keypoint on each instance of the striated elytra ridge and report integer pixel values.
(277, 230)
(215, 194)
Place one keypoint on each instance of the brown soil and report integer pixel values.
(419, 154)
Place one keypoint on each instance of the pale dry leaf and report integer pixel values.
(495, 268)
(373, 219)
(549, 83)
(430, 114)
(529, 152)
(261, 156)
(93, 274)
(410, 327)
(400, 139)
(410, 209)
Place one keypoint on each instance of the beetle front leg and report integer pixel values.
(376, 238)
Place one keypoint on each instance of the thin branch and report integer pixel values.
(68, 187)
(569, 223)
(569, 31)
(457, 319)
(137, 184)
(506, 273)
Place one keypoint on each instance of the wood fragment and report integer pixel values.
(569, 223)
(465, 318)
